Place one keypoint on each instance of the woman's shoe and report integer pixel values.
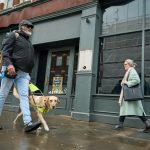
(119, 126)
(147, 128)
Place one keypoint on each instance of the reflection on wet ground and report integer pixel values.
(68, 134)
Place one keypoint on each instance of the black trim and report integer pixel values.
(108, 3)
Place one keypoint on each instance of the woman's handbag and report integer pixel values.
(133, 93)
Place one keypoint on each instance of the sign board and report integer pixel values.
(85, 60)
(57, 85)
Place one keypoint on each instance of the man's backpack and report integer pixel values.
(1, 53)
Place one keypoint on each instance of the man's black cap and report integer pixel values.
(26, 22)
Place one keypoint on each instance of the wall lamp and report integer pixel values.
(87, 20)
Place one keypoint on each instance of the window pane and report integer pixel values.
(148, 7)
(115, 50)
(132, 9)
(118, 19)
(9, 4)
(147, 63)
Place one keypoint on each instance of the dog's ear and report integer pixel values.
(42, 100)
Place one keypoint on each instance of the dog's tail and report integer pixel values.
(15, 92)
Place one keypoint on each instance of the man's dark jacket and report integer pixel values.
(18, 51)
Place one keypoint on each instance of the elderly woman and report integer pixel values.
(132, 108)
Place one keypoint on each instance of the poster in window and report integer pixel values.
(57, 85)
(59, 61)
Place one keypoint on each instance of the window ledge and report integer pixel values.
(21, 6)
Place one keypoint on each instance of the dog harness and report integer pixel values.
(33, 89)
(42, 110)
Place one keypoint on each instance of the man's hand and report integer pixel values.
(11, 69)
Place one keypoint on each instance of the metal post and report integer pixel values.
(143, 44)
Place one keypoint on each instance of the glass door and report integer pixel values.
(60, 77)
(59, 72)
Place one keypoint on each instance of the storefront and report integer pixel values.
(57, 50)
(125, 34)
(80, 52)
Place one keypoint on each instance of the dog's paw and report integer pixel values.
(46, 129)
(14, 122)
(39, 128)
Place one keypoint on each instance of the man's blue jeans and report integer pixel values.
(21, 83)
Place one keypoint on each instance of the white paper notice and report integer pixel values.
(85, 60)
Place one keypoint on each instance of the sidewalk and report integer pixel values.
(68, 134)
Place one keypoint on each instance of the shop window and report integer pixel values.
(147, 7)
(114, 51)
(123, 18)
(116, 48)
(147, 14)
(147, 64)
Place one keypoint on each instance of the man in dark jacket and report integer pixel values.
(18, 61)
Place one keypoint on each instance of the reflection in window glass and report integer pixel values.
(58, 60)
(140, 6)
(122, 12)
(115, 14)
(147, 64)
(148, 7)
(132, 9)
(9, 3)
(115, 50)
(118, 19)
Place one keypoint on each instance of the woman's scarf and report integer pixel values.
(123, 80)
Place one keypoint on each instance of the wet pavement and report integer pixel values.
(68, 134)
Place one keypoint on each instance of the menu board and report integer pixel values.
(57, 85)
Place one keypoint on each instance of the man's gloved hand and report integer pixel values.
(11, 70)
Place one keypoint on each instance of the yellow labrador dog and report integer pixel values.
(42, 104)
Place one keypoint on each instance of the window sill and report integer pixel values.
(21, 6)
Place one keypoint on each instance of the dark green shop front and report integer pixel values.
(79, 57)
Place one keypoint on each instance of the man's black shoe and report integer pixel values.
(1, 127)
(32, 126)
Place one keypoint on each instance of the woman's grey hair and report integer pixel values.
(131, 62)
